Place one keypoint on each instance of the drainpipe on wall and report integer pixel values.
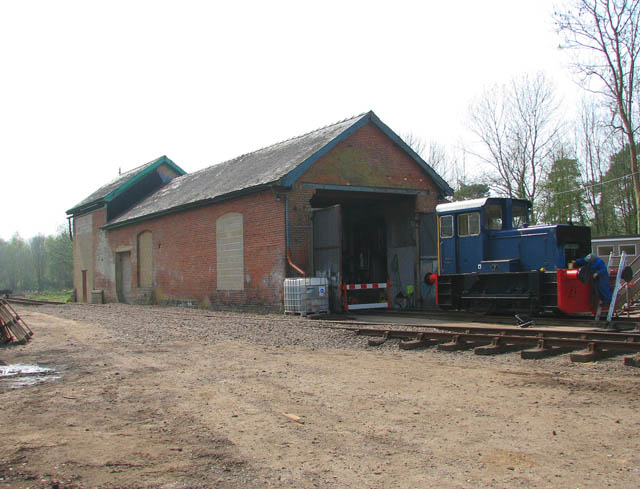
(286, 219)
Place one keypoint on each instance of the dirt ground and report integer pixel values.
(184, 406)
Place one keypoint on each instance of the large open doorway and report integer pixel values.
(365, 238)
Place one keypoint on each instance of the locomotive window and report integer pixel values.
(628, 249)
(493, 216)
(605, 250)
(469, 224)
(519, 216)
(446, 226)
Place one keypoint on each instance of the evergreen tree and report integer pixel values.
(563, 198)
(471, 191)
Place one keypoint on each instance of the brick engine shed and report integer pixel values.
(350, 202)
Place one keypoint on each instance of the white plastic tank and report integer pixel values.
(306, 295)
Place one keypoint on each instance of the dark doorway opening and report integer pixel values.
(376, 242)
(364, 249)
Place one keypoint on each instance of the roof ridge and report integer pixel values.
(137, 168)
(314, 130)
(291, 139)
(144, 164)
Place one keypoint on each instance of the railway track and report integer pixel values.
(533, 343)
(31, 302)
(618, 323)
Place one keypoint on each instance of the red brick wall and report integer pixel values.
(369, 158)
(300, 228)
(184, 253)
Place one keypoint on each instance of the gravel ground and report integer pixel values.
(155, 397)
(151, 325)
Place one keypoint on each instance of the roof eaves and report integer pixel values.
(630, 237)
(88, 207)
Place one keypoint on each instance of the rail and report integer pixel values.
(31, 302)
(541, 342)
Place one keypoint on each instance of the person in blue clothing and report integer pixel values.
(600, 273)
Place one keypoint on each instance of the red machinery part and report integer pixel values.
(574, 296)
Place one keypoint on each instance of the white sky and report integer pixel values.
(88, 87)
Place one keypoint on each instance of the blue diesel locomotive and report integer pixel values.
(490, 258)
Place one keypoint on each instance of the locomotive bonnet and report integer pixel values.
(490, 257)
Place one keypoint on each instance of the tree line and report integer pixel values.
(584, 170)
(41, 262)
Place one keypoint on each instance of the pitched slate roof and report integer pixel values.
(280, 164)
(109, 191)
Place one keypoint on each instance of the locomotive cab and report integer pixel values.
(468, 229)
(490, 256)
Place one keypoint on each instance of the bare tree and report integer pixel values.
(604, 35)
(433, 153)
(595, 146)
(415, 142)
(517, 128)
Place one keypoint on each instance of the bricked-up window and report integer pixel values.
(230, 252)
(145, 259)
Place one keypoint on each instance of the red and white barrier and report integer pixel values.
(353, 288)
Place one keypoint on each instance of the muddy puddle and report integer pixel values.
(22, 375)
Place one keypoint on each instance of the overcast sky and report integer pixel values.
(89, 87)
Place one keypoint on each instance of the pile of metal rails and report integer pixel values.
(12, 328)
